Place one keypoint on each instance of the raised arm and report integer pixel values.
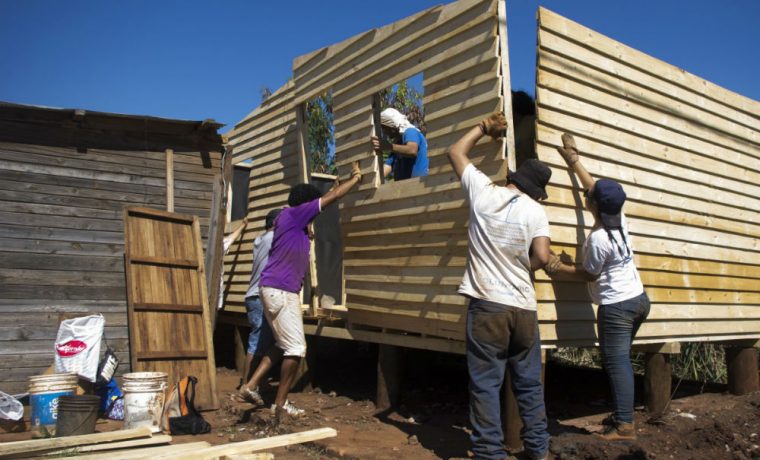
(569, 152)
(235, 234)
(339, 191)
(494, 126)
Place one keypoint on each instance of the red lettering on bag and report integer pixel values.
(70, 348)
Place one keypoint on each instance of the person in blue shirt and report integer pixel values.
(408, 158)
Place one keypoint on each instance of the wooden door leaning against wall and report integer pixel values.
(169, 322)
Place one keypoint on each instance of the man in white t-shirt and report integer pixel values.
(508, 238)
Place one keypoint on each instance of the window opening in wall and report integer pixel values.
(399, 117)
(240, 178)
(320, 147)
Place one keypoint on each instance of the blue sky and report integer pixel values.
(194, 59)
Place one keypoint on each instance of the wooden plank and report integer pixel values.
(164, 261)
(36, 445)
(506, 87)
(214, 249)
(410, 341)
(709, 125)
(145, 306)
(609, 47)
(146, 453)
(170, 180)
(171, 355)
(152, 441)
(256, 444)
(624, 122)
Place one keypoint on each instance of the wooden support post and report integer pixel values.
(657, 383)
(658, 375)
(170, 180)
(742, 369)
(389, 376)
(241, 341)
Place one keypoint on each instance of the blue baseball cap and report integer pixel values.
(609, 198)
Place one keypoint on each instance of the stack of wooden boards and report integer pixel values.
(140, 443)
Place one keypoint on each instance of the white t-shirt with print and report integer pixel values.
(613, 262)
(503, 224)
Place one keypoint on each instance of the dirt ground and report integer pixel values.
(704, 422)
(431, 422)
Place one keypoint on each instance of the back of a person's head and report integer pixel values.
(302, 193)
(522, 105)
(271, 216)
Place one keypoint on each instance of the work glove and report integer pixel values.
(554, 263)
(356, 171)
(495, 125)
(568, 150)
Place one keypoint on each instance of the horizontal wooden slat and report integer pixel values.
(147, 306)
(171, 355)
(163, 261)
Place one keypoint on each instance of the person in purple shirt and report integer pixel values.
(281, 283)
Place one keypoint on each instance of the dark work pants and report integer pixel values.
(497, 336)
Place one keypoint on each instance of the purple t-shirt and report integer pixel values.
(289, 256)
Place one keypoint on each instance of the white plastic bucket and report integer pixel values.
(44, 391)
(144, 395)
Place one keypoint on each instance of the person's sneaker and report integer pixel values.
(287, 408)
(619, 432)
(250, 396)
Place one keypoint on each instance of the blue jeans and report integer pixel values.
(260, 338)
(618, 324)
(497, 336)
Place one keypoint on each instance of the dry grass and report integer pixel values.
(699, 362)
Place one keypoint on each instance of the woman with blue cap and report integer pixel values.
(614, 285)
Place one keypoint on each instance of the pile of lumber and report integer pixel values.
(140, 443)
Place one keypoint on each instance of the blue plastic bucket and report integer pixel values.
(44, 391)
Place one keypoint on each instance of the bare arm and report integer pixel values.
(572, 273)
(559, 271)
(494, 126)
(386, 170)
(569, 152)
(458, 153)
(409, 149)
(337, 192)
(235, 234)
(539, 252)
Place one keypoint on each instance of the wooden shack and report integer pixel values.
(686, 151)
(65, 178)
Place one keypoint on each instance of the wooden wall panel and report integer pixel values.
(62, 241)
(459, 48)
(687, 153)
(267, 139)
(456, 47)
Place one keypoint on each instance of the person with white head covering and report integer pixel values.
(407, 158)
